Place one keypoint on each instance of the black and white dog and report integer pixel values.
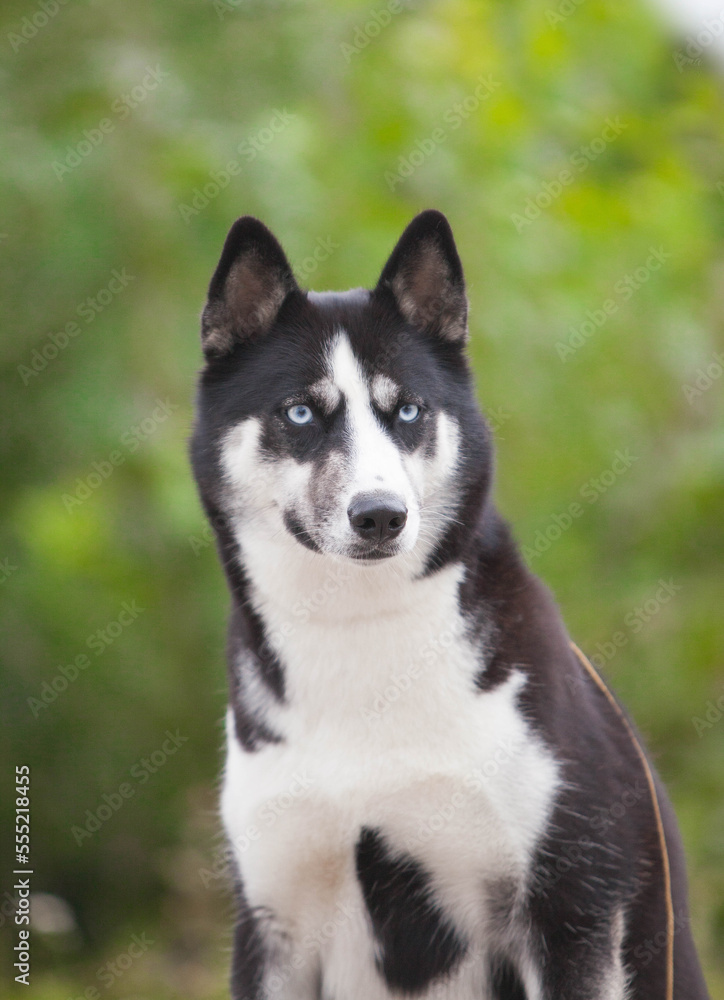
(426, 793)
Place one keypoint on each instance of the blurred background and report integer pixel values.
(576, 147)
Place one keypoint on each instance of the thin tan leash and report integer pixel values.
(657, 812)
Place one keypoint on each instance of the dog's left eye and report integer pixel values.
(408, 413)
(299, 414)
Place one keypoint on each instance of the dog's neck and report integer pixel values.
(342, 633)
(292, 582)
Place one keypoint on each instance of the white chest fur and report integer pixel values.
(382, 727)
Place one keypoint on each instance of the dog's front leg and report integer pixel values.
(265, 965)
(580, 959)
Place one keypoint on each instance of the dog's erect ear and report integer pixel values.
(252, 279)
(425, 276)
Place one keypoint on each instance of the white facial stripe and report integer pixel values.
(346, 373)
(385, 392)
(376, 461)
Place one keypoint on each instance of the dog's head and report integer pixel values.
(342, 422)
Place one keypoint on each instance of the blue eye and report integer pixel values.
(408, 413)
(299, 414)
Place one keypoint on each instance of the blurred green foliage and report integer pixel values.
(134, 134)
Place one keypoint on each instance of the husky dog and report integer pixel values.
(426, 794)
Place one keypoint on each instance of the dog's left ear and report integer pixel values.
(426, 279)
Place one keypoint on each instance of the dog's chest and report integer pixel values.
(383, 728)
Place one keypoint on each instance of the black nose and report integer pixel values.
(377, 516)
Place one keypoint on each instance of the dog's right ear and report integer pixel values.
(251, 281)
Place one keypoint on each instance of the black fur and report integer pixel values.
(248, 965)
(506, 982)
(418, 943)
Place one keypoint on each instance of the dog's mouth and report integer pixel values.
(374, 554)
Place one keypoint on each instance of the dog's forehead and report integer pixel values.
(328, 301)
(348, 380)
(345, 370)
(353, 351)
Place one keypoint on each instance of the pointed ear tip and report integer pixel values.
(250, 234)
(247, 225)
(433, 213)
(432, 225)
(433, 218)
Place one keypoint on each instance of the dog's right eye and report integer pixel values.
(299, 414)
